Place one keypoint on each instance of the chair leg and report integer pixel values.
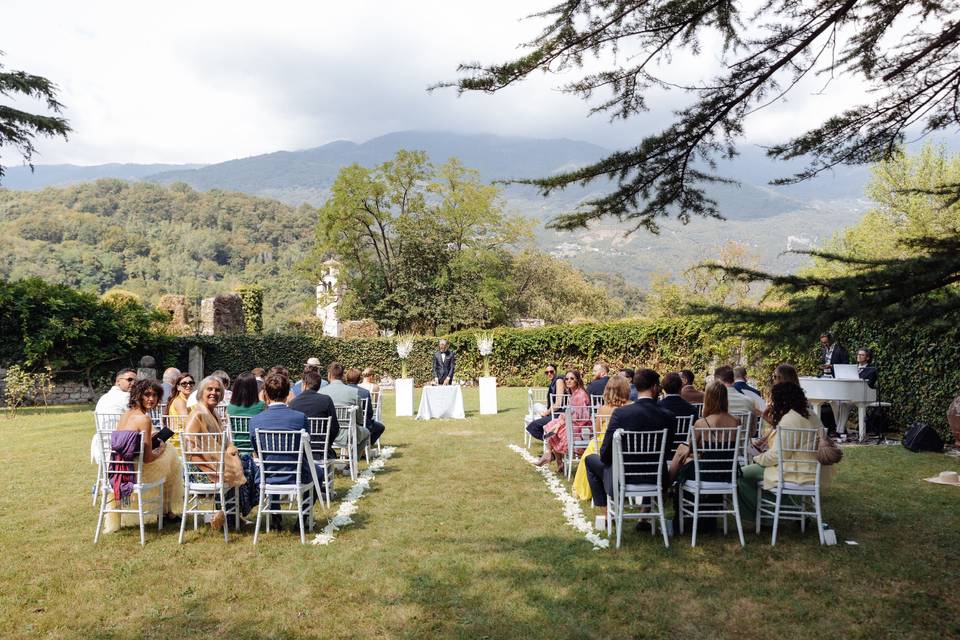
(103, 508)
(619, 518)
(143, 538)
(696, 517)
(759, 505)
(184, 514)
(724, 516)
(160, 511)
(663, 521)
(816, 507)
(736, 513)
(226, 514)
(260, 508)
(609, 523)
(300, 514)
(776, 518)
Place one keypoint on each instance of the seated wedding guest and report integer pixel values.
(279, 417)
(245, 397)
(224, 379)
(318, 405)
(865, 367)
(239, 472)
(535, 428)
(783, 372)
(160, 462)
(741, 385)
(369, 380)
(627, 374)
(671, 401)
(170, 376)
(342, 394)
(555, 433)
(689, 392)
(616, 394)
(375, 427)
(788, 408)
(738, 402)
(183, 388)
(259, 374)
(600, 378)
(642, 415)
(312, 364)
(283, 371)
(715, 414)
(117, 400)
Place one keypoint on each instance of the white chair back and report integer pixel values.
(716, 452)
(319, 430)
(600, 424)
(176, 424)
(684, 424)
(596, 401)
(347, 419)
(240, 433)
(221, 413)
(376, 399)
(699, 407)
(202, 457)
(279, 454)
(797, 453)
(638, 457)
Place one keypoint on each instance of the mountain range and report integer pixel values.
(769, 220)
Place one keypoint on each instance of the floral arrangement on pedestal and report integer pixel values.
(485, 346)
(404, 348)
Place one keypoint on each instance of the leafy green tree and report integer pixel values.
(906, 52)
(18, 128)
(901, 262)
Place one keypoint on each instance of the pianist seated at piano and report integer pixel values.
(865, 367)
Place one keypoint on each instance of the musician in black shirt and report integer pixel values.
(865, 367)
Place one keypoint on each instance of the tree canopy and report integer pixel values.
(430, 248)
(18, 128)
(906, 51)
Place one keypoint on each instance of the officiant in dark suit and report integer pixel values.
(444, 362)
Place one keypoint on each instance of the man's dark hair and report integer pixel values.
(672, 383)
(126, 370)
(258, 372)
(335, 371)
(277, 387)
(312, 379)
(828, 336)
(645, 379)
(868, 351)
(629, 373)
(245, 391)
(687, 376)
(140, 388)
(283, 371)
(724, 374)
(352, 376)
(310, 367)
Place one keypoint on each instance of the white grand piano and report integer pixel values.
(840, 394)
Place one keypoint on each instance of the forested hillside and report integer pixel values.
(152, 240)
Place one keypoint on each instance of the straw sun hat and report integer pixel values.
(946, 477)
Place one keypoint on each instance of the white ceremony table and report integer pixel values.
(441, 402)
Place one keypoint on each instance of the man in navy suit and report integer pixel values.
(316, 405)
(279, 417)
(671, 401)
(643, 415)
(600, 379)
(375, 427)
(444, 364)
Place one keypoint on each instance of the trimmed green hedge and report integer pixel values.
(926, 378)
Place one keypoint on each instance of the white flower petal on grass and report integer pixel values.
(572, 512)
(348, 506)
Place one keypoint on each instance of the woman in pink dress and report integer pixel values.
(555, 432)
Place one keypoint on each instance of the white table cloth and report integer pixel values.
(441, 402)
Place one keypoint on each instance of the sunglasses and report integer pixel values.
(187, 384)
(549, 372)
(129, 379)
(570, 378)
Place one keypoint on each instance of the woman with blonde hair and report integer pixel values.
(715, 415)
(204, 420)
(615, 394)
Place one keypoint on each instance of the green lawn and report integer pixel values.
(459, 537)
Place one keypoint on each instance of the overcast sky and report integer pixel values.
(211, 81)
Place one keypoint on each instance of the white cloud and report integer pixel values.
(210, 81)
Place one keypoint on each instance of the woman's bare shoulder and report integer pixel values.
(133, 420)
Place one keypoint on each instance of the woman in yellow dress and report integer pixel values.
(616, 394)
(177, 407)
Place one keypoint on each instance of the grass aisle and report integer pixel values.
(457, 536)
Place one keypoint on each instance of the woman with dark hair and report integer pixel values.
(555, 433)
(181, 391)
(715, 415)
(245, 400)
(161, 462)
(788, 408)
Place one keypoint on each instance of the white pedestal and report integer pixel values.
(404, 389)
(488, 396)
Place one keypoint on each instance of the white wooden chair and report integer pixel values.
(746, 424)
(578, 437)
(363, 410)
(113, 468)
(176, 424)
(281, 460)
(596, 401)
(240, 434)
(535, 395)
(638, 462)
(682, 434)
(101, 422)
(222, 414)
(319, 429)
(376, 402)
(202, 459)
(347, 419)
(797, 453)
(716, 451)
(699, 407)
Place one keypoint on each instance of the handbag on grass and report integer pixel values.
(828, 451)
